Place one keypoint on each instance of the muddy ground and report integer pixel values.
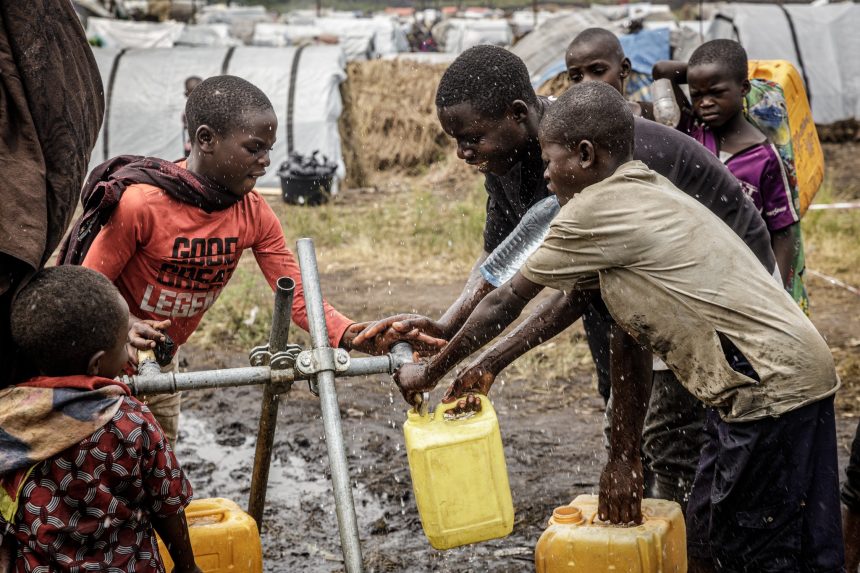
(551, 431)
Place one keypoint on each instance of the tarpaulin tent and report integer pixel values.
(357, 44)
(207, 36)
(127, 34)
(145, 97)
(386, 33)
(544, 48)
(458, 34)
(822, 42)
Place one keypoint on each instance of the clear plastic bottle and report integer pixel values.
(504, 262)
(666, 110)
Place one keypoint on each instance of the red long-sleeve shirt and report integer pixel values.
(171, 260)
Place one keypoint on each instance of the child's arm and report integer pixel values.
(786, 244)
(780, 216)
(491, 317)
(7, 558)
(621, 483)
(173, 531)
(675, 72)
(549, 319)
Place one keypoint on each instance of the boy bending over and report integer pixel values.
(86, 475)
(676, 278)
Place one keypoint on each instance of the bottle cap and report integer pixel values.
(567, 514)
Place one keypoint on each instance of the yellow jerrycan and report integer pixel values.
(577, 542)
(808, 156)
(459, 475)
(224, 538)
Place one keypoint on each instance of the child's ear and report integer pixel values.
(519, 111)
(745, 87)
(585, 149)
(626, 66)
(205, 138)
(95, 363)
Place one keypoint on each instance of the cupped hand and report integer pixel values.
(621, 489)
(475, 378)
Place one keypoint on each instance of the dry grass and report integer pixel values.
(389, 120)
(555, 86)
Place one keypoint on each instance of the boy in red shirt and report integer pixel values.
(86, 476)
(175, 231)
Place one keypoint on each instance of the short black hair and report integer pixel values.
(727, 53)
(221, 102)
(490, 78)
(63, 316)
(597, 35)
(594, 111)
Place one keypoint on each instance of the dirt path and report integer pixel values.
(551, 431)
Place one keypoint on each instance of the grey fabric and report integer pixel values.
(672, 438)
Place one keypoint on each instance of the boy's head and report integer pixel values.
(596, 55)
(70, 321)
(191, 82)
(585, 135)
(232, 127)
(486, 102)
(717, 76)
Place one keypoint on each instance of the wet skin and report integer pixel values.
(237, 158)
(493, 145)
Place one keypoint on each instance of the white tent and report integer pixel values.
(822, 42)
(207, 35)
(145, 98)
(121, 34)
(356, 44)
(459, 34)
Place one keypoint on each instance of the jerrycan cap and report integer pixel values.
(567, 514)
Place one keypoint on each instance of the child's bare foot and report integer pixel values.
(466, 407)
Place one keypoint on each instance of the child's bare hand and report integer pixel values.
(423, 333)
(475, 378)
(413, 379)
(145, 334)
(621, 488)
(470, 404)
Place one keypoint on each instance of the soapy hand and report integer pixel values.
(475, 378)
(621, 489)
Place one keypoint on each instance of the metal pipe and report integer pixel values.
(278, 339)
(168, 383)
(344, 504)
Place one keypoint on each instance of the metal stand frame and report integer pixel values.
(276, 366)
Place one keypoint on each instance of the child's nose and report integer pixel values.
(265, 160)
(464, 152)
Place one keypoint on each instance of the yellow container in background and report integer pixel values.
(459, 476)
(576, 542)
(808, 157)
(224, 538)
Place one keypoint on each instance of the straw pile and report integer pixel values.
(389, 119)
(555, 86)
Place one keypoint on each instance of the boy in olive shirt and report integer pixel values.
(684, 285)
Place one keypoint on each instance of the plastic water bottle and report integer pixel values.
(666, 110)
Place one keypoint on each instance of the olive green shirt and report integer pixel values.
(673, 275)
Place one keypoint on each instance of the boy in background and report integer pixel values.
(175, 231)
(717, 75)
(191, 82)
(87, 477)
(766, 491)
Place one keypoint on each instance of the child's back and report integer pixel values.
(651, 242)
(86, 475)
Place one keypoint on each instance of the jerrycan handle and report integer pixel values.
(421, 402)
